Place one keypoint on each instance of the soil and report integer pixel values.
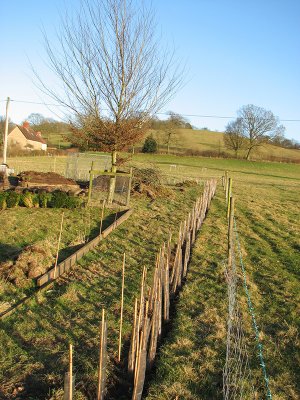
(49, 180)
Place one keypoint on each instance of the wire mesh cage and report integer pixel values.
(79, 164)
(100, 186)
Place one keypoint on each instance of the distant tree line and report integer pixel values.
(174, 120)
(47, 126)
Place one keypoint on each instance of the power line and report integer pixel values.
(159, 113)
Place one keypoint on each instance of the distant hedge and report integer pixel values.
(57, 199)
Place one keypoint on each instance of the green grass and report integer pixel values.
(34, 340)
(57, 140)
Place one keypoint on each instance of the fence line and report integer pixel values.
(237, 375)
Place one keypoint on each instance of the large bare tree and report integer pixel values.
(256, 125)
(112, 73)
(233, 138)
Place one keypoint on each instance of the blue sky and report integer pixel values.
(236, 53)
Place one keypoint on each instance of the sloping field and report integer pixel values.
(209, 141)
(34, 340)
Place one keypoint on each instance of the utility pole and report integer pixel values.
(5, 132)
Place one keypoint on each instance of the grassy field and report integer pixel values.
(34, 340)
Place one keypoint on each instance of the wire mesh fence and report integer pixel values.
(239, 381)
(237, 375)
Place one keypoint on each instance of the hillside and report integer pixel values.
(210, 143)
(197, 142)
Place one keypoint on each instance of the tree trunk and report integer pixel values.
(112, 182)
(248, 153)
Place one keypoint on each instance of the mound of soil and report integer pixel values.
(48, 180)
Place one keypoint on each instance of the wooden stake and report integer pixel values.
(58, 245)
(122, 305)
(132, 351)
(167, 291)
(102, 215)
(70, 372)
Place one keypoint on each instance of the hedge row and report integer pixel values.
(58, 199)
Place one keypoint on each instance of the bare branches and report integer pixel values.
(110, 66)
(233, 139)
(253, 127)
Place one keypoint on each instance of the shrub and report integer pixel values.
(3, 196)
(150, 145)
(74, 202)
(44, 199)
(12, 199)
(26, 200)
(59, 200)
(35, 200)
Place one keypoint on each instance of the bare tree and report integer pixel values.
(36, 119)
(256, 125)
(233, 138)
(113, 75)
(171, 126)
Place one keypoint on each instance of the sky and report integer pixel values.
(235, 53)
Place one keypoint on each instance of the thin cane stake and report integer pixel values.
(58, 244)
(122, 305)
(133, 349)
(101, 349)
(70, 372)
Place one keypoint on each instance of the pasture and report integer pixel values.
(34, 344)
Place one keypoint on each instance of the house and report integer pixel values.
(25, 138)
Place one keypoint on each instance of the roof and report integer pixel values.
(30, 134)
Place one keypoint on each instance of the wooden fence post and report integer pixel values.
(129, 188)
(230, 231)
(225, 184)
(58, 244)
(91, 183)
(229, 195)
